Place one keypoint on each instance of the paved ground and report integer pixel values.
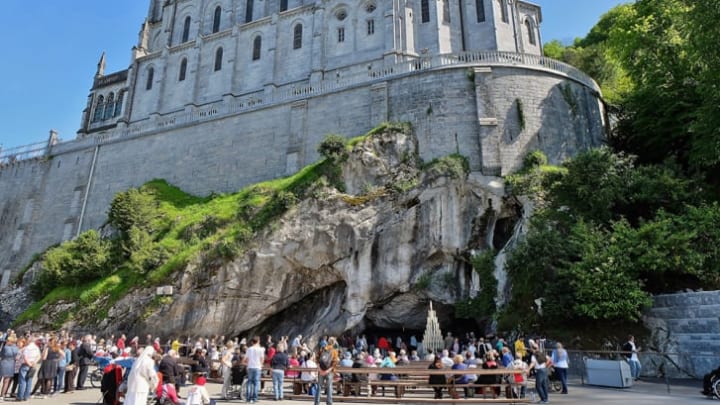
(642, 393)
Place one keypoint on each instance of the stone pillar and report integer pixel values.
(5, 279)
(317, 64)
(295, 155)
(489, 132)
(378, 103)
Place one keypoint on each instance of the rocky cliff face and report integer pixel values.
(370, 258)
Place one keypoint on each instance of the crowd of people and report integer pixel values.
(59, 363)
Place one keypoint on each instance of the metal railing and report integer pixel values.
(25, 152)
(659, 366)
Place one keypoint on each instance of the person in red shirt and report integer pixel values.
(121, 343)
(383, 345)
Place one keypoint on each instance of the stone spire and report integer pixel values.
(144, 39)
(101, 66)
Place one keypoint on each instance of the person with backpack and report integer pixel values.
(327, 361)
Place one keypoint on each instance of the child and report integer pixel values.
(198, 395)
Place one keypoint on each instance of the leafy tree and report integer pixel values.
(595, 183)
(704, 32)
(134, 208)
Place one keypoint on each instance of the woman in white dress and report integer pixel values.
(143, 378)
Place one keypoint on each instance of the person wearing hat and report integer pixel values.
(198, 394)
(346, 360)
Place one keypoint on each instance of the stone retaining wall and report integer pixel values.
(687, 324)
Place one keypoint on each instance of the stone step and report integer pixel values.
(706, 311)
(694, 325)
(687, 299)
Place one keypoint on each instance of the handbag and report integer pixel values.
(70, 367)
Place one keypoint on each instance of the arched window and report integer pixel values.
(283, 5)
(216, 19)
(183, 70)
(99, 109)
(531, 32)
(480, 9)
(370, 26)
(425, 10)
(249, 11)
(150, 78)
(118, 104)
(186, 29)
(218, 59)
(257, 47)
(503, 11)
(109, 107)
(297, 36)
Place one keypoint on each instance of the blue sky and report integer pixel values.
(51, 50)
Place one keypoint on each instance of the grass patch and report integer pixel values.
(184, 228)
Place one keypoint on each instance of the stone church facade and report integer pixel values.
(220, 94)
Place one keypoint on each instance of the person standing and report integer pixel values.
(520, 346)
(48, 370)
(30, 356)
(142, 379)
(7, 363)
(168, 367)
(226, 364)
(85, 358)
(539, 364)
(631, 352)
(327, 371)
(59, 383)
(121, 343)
(254, 358)
(279, 363)
(71, 366)
(561, 361)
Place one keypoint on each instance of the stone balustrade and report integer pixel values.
(290, 93)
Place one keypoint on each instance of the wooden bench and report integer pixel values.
(415, 380)
(411, 386)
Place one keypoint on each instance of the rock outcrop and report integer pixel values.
(373, 257)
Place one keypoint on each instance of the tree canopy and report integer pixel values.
(658, 64)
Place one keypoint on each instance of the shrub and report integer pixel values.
(86, 258)
(534, 159)
(454, 166)
(333, 148)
